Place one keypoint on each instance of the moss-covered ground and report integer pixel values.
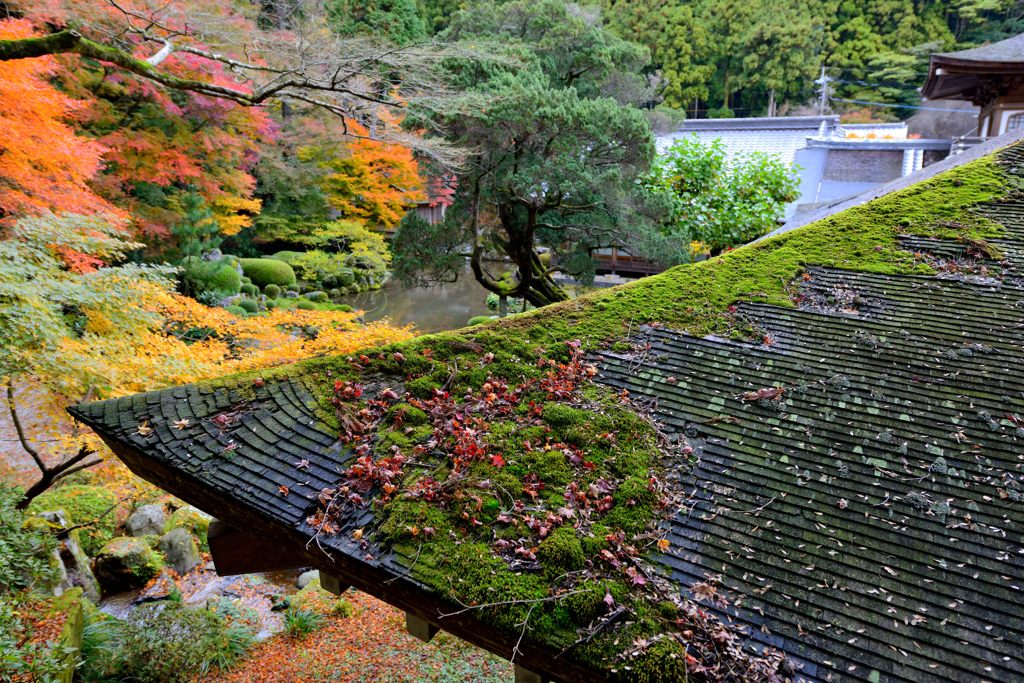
(495, 517)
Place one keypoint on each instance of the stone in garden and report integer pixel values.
(161, 589)
(76, 567)
(180, 551)
(125, 563)
(305, 578)
(148, 519)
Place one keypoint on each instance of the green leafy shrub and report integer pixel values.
(20, 658)
(271, 304)
(163, 643)
(288, 257)
(217, 278)
(305, 305)
(24, 550)
(268, 271)
(346, 277)
(248, 305)
(332, 270)
(236, 310)
(345, 308)
(272, 291)
(716, 202)
(84, 504)
(318, 297)
(301, 622)
(249, 290)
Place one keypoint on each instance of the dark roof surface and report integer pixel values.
(858, 492)
(1010, 50)
(973, 74)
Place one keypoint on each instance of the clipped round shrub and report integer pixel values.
(249, 290)
(248, 305)
(334, 293)
(345, 308)
(271, 304)
(268, 271)
(318, 296)
(246, 280)
(288, 257)
(236, 310)
(305, 305)
(272, 291)
(346, 277)
(83, 504)
(292, 288)
(199, 277)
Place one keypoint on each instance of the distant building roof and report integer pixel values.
(805, 141)
(973, 74)
(778, 136)
(1008, 51)
(918, 176)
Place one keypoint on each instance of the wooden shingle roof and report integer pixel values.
(856, 494)
(975, 74)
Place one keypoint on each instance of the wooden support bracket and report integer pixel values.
(236, 552)
(524, 675)
(420, 628)
(331, 584)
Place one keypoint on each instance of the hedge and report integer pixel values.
(206, 276)
(268, 271)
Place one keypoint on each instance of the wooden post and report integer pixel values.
(419, 628)
(524, 675)
(331, 584)
(235, 552)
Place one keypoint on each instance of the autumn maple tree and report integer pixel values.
(44, 164)
(371, 180)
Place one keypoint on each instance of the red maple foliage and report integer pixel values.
(44, 165)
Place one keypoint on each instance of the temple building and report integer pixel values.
(990, 77)
(798, 461)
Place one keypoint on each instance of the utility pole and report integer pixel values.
(823, 93)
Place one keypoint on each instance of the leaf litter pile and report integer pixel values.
(536, 502)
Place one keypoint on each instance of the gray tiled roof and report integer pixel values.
(869, 521)
(1008, 50)
(779, 137)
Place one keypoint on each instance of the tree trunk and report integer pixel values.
(49, 475)
(502, 305)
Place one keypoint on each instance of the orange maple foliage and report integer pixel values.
(44, 166)
(376, 181)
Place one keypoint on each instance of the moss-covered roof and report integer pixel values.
(838, 414)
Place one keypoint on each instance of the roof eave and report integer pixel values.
(396, 590)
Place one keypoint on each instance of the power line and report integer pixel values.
(893, 86)
(904, 106)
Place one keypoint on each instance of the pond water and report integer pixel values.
(429, 309)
